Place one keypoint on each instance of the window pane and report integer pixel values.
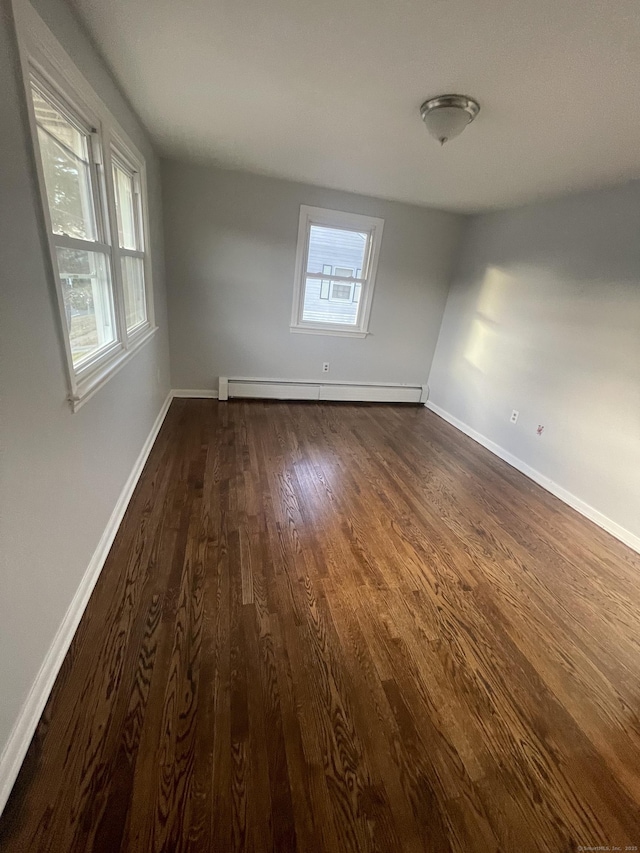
(336, 248)
(341, 291)
(339, 307)
(67, 170)
(125, 208)
(134, 301)
(88, 301)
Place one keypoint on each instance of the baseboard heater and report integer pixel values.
(348, 392)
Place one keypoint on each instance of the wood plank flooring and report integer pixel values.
(342, 628)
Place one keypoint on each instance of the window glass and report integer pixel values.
(325, 284)
(134, 295)
(92, 187)
(126, 208)
(88, 302)
(341, 291)
(339, 307)
(67, 170)
(333, 252)
(335, 247)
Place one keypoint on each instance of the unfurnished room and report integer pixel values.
(319, 426)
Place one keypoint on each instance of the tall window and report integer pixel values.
(126, 181)
(92, 186)
(335, 271)
(78, 231)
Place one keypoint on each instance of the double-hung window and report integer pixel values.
(126, 183)
(70, 157)
(92, 182)
(336, 265)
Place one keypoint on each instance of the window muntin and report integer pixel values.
(336, 264)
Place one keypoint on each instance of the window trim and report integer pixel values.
(42, 57)
(344, 221)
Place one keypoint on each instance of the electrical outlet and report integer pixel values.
(514, 416)
(325, 366)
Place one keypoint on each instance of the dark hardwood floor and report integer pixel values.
(342, 628)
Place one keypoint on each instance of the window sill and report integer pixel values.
(320, 330)
(87, 387)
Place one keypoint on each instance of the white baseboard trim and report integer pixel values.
(567, 497)
(20, 738)
(194, 392)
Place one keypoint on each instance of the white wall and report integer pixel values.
(60, 473)
(231, 244)
(544, 317)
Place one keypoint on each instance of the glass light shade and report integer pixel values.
(445, 123)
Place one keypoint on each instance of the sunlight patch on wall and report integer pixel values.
(478, 350)
(494, 293)
(482, 346)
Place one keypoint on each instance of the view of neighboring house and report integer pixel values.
(340, 255)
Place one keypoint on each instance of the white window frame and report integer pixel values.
(346, 221)
(43, 57)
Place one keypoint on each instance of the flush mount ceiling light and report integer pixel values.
(447, 115)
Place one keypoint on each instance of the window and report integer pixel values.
(67, 152)
(92, 183)
(129, 215)
(335, 272)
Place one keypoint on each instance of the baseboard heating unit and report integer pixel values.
(348, 392)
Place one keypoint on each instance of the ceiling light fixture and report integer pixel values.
(447, 115)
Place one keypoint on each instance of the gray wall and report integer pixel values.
(231, 245)
(60, 473)
(544, 317)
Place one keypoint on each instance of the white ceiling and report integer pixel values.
(328, 92)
